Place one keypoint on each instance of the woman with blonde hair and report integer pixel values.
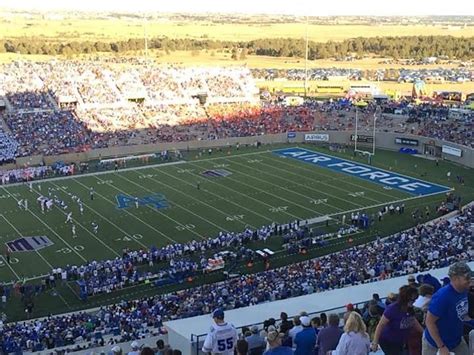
(355, 340)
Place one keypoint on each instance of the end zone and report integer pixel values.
(376, 175)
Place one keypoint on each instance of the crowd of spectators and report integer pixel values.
(396, 325)
(8, 148)
(401, 75)
(47, 132)
(433, 245)
(62, 107)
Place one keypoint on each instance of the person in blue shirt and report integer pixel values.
(447, 312)
(305, 340)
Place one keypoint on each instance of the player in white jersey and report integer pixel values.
(81, 209)
(69, 218)
(73, 229)
(222, 337)
(136, 202)
(95, 227)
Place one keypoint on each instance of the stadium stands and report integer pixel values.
(106, 104)
(433, 245)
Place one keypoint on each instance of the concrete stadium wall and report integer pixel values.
(384, 140)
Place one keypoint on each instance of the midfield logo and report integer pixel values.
(155, 200)
(216, 173)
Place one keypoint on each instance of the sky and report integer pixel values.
(290, 7)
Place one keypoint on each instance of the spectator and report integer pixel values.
(324, 320)
(160, 347)
(447, 311)
(285, 324)
(147, 351)
(295, 330)
(328, 337)
(135, 349)
(116, 350)
(256, 343)
(355, 340)
(412, 281)
(274, 339)
(394, 327)
(305, 340)
(242, 347)
(425, 294)
(222, 336)
(372, 318)
(316, 324)
(378, 302)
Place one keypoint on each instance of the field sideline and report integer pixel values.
(260, 188)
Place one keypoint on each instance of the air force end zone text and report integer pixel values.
(366, 172)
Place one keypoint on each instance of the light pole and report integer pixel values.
(145, 36)
(306, 62)
(377, 113)
(355, 136)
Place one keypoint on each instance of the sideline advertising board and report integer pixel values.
(446, 149)
(316, 137)
(407, 141)
(362, 138)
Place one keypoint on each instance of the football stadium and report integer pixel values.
(250, 199)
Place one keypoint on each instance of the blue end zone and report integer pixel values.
(379, 176)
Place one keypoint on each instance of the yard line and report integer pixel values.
(310, 188)
(182, 207)
(303, 167)
(252, 198)
(304, 186)
(47, 226)
(214, 194)
(125, 210)
(86, 229)
(280, 187)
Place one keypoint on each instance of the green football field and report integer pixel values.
(177, 203)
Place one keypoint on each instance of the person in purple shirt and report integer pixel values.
(397, 321)
(328, 337)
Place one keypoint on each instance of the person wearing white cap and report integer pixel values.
(222, 337)
(305, 340)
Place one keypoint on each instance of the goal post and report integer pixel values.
(369, 134)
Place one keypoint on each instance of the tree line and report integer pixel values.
(416, 47)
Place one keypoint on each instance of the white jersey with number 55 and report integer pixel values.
(221, 339)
